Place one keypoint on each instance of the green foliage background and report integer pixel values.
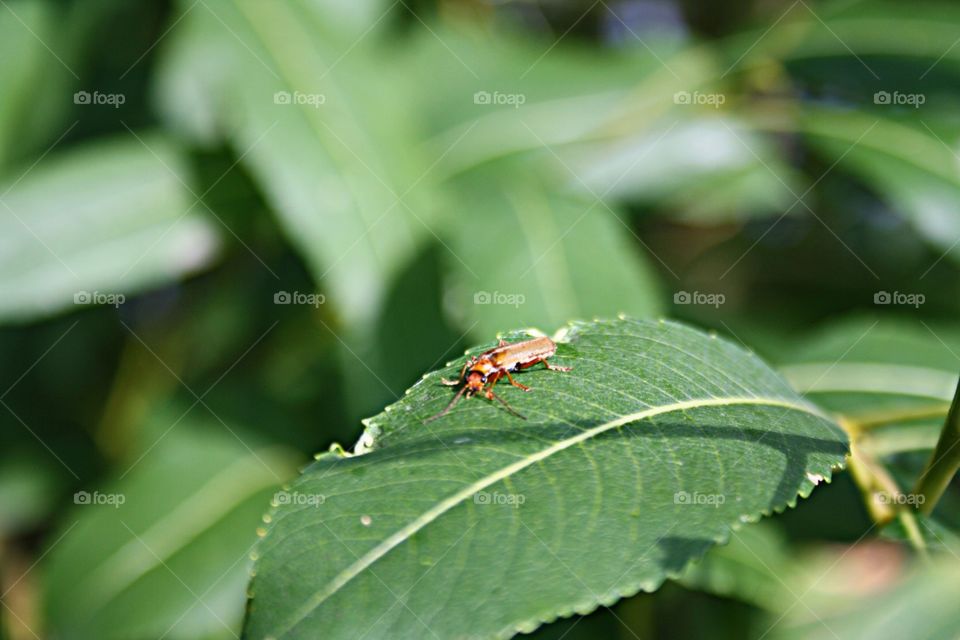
(416, 177)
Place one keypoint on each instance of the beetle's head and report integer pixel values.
(475, 382)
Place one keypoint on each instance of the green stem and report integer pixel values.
(944, 462)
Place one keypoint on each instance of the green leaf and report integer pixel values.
(28, 491)
(707, 170)
(543, 272)
(340, 170)
(754, 567)
(867, 368)
(912, 167)
(604, 122)
(34, 91)
(635, 462)
(107, 219)
(163, 550)
(872, 593)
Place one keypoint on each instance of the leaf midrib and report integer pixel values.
(442, 507)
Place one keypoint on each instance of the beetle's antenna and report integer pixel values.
(449, 406)
(504, 403)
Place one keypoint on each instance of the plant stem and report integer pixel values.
(944, 462)
(880, 490)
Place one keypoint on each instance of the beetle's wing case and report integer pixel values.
(510, 355)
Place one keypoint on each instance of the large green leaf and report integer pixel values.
(756, 567)
(328, 137)
(606, 122)
(481, 524)
(163, 551)
(864, 368)
(38, 39)
(537, 270)
(105, 220)
(911, 166)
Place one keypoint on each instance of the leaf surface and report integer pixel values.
(106, 219)
(480, 524)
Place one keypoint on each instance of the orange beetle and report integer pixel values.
(493, 364)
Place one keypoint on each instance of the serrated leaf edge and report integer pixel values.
(455, 499)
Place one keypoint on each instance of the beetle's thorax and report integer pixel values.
(483, 366)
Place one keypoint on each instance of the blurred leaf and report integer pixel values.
(866, 367)
(936, 536)
(871, 594)
(708, 170)
(107, 219)
(918, 34)
(33, 89)
(610, 123)
(754, 567)
(163, 551)
(328, 136)
(28, 492)
(913, 167)
(432, 507)
(524, 256)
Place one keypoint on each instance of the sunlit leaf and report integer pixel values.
(328, 139)
(163, 551)
(97, 224)
(635, 462)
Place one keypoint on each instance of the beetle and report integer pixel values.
(480, 373)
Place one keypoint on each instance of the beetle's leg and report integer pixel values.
(492, 396)
(453, 383)
(515, 383)
(554, 367)
(449, 406)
